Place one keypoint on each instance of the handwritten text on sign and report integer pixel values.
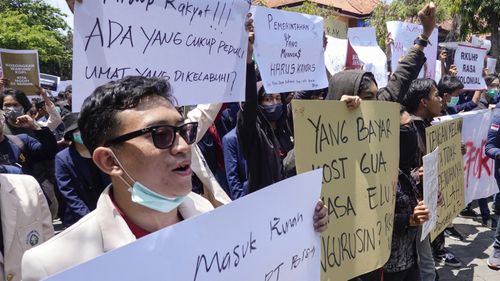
(200, 47)
(470, 63)
(479, 176)
(21, 68)
(404, 33)
(448, 136)
(276, 242)
(355, 148)
(289, 50)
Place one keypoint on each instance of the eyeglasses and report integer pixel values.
(163, 135)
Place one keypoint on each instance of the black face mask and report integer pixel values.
(408, 146)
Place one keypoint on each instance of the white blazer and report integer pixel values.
(101, 231)
(26, 220)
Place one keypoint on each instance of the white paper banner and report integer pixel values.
(289, 50)
(481, 42)
(491, 64)
(276, 241)
(438, 75)
(431, 188)
(470, 63)
(404, 33)
(200, 47)
(363, 40)
(479, 170)
(335, 54)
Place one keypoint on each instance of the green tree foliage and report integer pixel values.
(407, 10)
(34, 24)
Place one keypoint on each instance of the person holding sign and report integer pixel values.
(363, 84)
(133, 131)
(264, 134)
(424, 103)
(410, 212)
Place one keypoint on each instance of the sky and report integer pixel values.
(61, 4)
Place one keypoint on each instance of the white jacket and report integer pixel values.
(26, 221)
(101, 231)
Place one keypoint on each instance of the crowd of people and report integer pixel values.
(98, 170)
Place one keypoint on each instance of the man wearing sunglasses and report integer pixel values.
(138, 138)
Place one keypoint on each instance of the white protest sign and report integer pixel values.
(335, 54)
(199, 47)
(364, 42)
(289, 50)
(276, 241)
(431, 189)
(438, 74)
(491, 64)
(479, 169)
(404, 33)
(481, 42)
(470, 61)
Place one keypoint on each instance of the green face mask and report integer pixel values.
(453, 101)
(492, 93)
(77, 137)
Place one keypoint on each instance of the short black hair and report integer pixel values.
(19, 96)
(366, 80)
(419, 89)
(490, 78)
(449, 84)
(97, 121)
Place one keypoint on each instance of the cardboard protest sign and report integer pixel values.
(49, 82)
(21, 68)
(447, 136)
(491, 64)
(431, 188)
(335, 28)
(335, 54)
(404, 33)
(358, 151)
(276, 241)
(470, 63)
(289, 50)
(364, 41)
(481, 42)
(200, 48)
(479, 169)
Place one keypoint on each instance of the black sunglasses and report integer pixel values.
(163, 135)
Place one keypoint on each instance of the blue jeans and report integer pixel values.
(426, 260)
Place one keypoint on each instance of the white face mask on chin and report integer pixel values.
(146, 197)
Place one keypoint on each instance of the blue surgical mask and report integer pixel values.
(273, 112)
(453, 101)
(144, 196)
(77, 137)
